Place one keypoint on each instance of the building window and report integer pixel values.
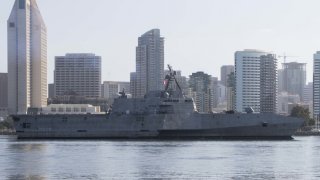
(22, 4)
(11, 24)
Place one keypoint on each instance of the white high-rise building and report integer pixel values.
(247, 79)
(316, 85)
(149, 63)
(27, 58)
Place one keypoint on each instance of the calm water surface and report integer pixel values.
(84, 159)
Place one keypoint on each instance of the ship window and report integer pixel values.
(264, 124)
(76, 109)
(26, 125)
(53, 109)
(68, 109)
(61, 109)
(11, 25)
(83, 109)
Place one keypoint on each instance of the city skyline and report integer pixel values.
(196, 41)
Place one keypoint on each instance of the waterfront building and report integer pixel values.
(226, 70)
(316, 85)
(111, 89)
(3, 95)
(27, 58)
(149, 63)
(70, 109)
(3, 90)
(133, 84)
(284, 99)
(308, 93)
(201, 91)
(51, 91)
(221, 94)
(79, 73)
(214, 86)
(230, 92)
(247, 79)
(280, 81)
(73, 98)
(268, 83)
(294, 77)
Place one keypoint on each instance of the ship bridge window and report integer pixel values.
(171, 100)
(165, 109)
(188, 100)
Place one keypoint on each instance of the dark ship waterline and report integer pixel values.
(159, 115)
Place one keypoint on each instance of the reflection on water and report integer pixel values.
(23, 177)
(297, 159)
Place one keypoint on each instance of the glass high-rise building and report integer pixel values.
(27, 58)
(149, 63)
(226, 70)
(268, 83)
(294, 78)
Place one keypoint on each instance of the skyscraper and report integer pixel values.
(133, 84)
(308, 93)
(3, 90)
(202, 92)
(149, 63)
(51, 91)
(294, 78)
(225, 71)
(27, 57)
(78, 73)
(268, 83)
(247, 79)
(316, 85)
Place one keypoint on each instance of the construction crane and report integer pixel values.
(285, 57)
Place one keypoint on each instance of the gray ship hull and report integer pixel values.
(156, 126)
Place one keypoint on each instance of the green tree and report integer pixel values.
(301, 112)
(6, 124)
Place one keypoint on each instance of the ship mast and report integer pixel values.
(171, 77)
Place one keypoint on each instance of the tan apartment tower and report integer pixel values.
(27, 58)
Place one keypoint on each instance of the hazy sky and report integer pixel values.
(200, 35)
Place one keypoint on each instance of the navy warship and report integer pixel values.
(164, 114)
